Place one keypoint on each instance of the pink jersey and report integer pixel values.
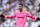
(21, 18)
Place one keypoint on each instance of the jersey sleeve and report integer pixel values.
(13, 16)
(29, 15)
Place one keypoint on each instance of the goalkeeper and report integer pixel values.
(20, 16)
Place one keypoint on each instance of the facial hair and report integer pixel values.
(20, 9)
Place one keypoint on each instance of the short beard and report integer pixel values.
(20, 9)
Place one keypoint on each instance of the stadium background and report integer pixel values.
(8, 7)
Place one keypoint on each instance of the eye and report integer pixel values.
(19, 6)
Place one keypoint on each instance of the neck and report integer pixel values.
(20, 10)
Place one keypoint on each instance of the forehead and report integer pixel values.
(20, 5)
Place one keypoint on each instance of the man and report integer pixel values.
(20, 16)
(2, 20)
(38, 12)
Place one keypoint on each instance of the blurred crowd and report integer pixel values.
(8, 7)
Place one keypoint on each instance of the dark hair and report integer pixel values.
(39, 4)
(21, 4)
(2, 18)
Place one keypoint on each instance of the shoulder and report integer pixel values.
(27, 12)
(16, 11)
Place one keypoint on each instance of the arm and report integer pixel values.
(29, 15)
(13, 16)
